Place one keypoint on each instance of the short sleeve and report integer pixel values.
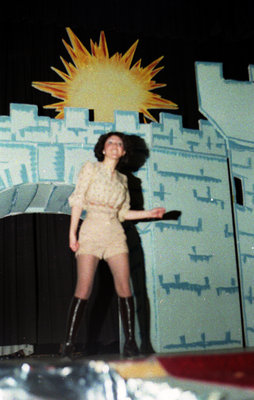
(77, 198)
(126, 204)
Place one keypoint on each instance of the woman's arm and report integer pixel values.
(157, 212)
(75, 215)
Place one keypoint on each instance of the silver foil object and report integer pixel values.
(93, 380)
(96, 380)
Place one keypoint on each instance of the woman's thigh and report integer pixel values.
(86, 268)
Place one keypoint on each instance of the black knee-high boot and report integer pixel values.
(128, 319)
(76, 310)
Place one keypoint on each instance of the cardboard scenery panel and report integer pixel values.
(199, 258)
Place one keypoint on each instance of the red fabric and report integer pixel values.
(228, 369)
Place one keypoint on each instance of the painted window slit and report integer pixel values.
(238, 191)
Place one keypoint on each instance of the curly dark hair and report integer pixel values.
(99, 147)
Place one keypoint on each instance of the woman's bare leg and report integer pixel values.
(119, 266)
(86, 268)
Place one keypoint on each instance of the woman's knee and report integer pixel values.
(123, 289)
(84, 287)
(83, 292)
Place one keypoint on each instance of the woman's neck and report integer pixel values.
(110, 163)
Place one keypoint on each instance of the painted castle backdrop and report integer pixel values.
(200, 266)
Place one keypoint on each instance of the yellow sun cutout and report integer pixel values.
(104, 84)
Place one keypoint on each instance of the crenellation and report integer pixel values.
(76, 118)
(124, 119)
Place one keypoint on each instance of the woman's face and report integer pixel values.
(114, 148)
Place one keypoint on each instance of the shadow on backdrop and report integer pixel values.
(140, 154)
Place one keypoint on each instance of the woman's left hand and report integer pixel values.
(157, 212)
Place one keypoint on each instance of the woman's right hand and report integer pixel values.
(73, 243)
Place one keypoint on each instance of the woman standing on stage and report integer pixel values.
(103, 192)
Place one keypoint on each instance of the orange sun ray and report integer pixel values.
(95, 80)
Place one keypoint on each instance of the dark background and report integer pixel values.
(37, 272)
(182, 31)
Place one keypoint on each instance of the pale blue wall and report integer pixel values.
(191, 262)
(229, 106)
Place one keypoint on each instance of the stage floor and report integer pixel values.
(222, 375)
